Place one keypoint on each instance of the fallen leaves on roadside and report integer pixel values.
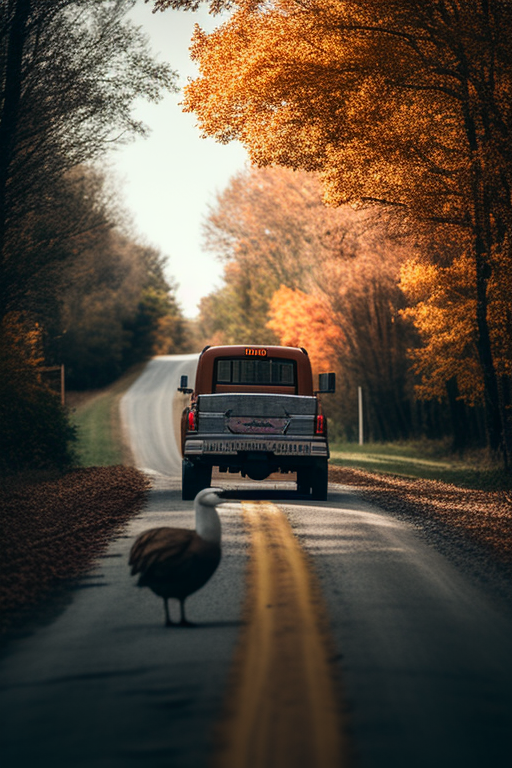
(483, 516)
(53, 530)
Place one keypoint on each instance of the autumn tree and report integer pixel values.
(352, 320)
(404, 104)
(117, 309)
(236, 313)
(269, 228)
(105, 303)
(70, 71)
(327, 279)
(442, 301)
(34, 430)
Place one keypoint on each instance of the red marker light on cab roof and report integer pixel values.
(192, 426)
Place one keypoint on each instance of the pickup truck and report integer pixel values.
(253, 411)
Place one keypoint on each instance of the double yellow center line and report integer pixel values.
(283, 709)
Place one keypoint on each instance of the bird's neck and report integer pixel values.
(208, 524)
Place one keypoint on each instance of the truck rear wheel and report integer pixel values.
(319, 482)
(304, 481)
(194, 479)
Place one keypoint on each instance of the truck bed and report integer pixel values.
(256, 414)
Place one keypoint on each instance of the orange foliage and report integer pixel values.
(302, 320)
(323, 278)
(368, 93)
(270, 228)
(403, 103)
(351, 322)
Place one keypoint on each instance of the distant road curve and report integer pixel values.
(149, 411)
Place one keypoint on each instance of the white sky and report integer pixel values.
(168, 179)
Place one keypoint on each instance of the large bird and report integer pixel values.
(175, 562)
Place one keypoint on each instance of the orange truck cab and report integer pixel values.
(253, 411)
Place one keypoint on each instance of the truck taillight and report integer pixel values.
(321, 424)
(192, 425)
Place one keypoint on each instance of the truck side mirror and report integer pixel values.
(183, 387)
(327, 383)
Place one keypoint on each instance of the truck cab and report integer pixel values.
(254, 411)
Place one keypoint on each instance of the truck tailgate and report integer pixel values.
(251, 414)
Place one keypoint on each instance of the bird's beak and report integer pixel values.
(223, 494)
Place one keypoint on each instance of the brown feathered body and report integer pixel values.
(173, 562)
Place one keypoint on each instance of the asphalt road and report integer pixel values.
(424, 650)
(104, 684)
(150, 409)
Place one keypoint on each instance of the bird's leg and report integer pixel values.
(168, 622)
(184, 622)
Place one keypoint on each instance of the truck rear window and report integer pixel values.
(242, 371)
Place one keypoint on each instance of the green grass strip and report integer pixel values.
(97, 446)
(426, 460)
(98, 422)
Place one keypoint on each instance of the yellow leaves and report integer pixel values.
(248, 85)
(23, 336)
(443, 311)
(20, 355)
(418, 280)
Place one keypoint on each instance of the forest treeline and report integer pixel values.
(76, 286)
(402, 109)
(343, 284)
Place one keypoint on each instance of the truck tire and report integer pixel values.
(319, 482)
(194, 479)
(304, 481)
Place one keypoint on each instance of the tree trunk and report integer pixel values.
(458, 417)
(18, 13)
(491, 394)
(482, 246)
